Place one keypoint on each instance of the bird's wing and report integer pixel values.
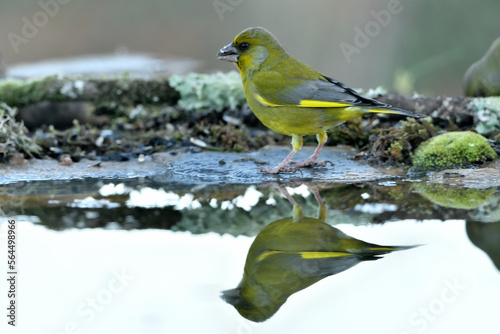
(275, 89)
(305, 264)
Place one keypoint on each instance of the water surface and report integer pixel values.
(138, 255)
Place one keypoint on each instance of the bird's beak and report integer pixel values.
(231, 296)
(228, 53)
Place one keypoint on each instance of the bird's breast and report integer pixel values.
(293, 120)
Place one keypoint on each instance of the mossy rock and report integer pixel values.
(452, 150)
(451, 197)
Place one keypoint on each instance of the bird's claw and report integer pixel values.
(306, 163)
(277, 170)
(329, 162)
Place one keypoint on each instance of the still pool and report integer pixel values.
(136, 256)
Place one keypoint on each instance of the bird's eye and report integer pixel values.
(244, 46)
(247, 307)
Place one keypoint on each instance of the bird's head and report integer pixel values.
(250, 49)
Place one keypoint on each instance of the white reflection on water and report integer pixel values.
(92, 203)
(114, 189)
(375, 208)
(249, 199)
(177, 279)
(158, 198)
(301, 190)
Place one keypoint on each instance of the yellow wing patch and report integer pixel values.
(319, 255)
(265, 102)
(266, 254)
(305, 255)
(303, 103)
(384, 111)
(322, 104)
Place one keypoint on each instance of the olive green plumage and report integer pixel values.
(292, 98)
(291, 254)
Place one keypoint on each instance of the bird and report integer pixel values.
(483, 77)
(292, 98)
(293, 253)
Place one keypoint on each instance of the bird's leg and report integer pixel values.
(312, 160)
(282, 167)
(298, 215)
(317, 196)
(284, 192)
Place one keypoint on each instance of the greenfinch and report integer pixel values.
(483, 77)
(292, 98)
(291, 254)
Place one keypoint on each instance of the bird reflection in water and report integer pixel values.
(292, 253)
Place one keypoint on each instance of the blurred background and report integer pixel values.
(406, 46)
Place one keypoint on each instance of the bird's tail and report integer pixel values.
(388, 249)
(387, 109)
(375, 251)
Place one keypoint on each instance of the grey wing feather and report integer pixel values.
(324, 89)
(335, 91)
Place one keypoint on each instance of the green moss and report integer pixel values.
(104, 93)
(487, 114)
(452, 149)
(217, 91)
(396, 150)
(458, 198)
(20, 92)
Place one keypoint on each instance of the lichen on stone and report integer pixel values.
(217, 91)
(14, 135)
(487, 115)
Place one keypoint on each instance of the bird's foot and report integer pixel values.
(311, 163)
(278, 169)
